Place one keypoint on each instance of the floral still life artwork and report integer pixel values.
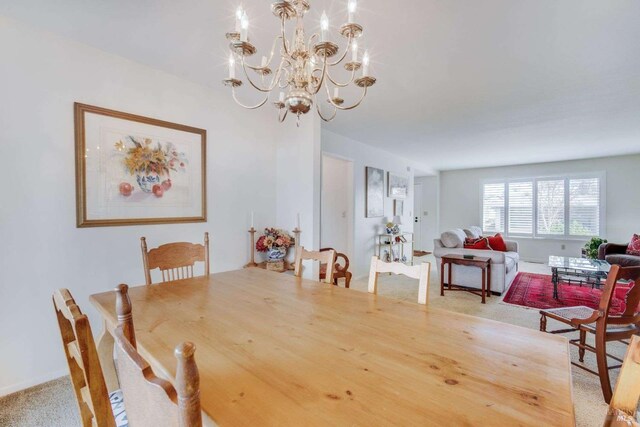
(137, 170)
(275, 242)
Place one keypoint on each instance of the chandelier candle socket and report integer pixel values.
(303, 64)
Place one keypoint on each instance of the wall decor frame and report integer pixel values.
(374, 198)
(135, 170)
(398, 186)
(398, 207)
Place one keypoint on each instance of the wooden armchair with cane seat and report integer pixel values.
(605, 326)
(624, 403)
(150, 400)
(339, 271)
(174, 260)
(96, 406)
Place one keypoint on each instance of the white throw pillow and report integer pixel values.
(453, 238)
(471, 233)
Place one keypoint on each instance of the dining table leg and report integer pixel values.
(105, 353)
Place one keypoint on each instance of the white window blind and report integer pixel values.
(493, 209)
(551, 205)
(520, 208)
(584, 207)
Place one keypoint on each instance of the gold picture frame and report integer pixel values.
(115, 150)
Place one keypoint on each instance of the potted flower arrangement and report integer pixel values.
(150, 164)
(590, 249)
(276, 242)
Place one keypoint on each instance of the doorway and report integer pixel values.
(417, 216)
(336, 206)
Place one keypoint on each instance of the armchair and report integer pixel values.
(339, 271)
(617, 254)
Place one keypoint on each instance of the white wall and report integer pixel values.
(430, 210)
(41, 249)
(365, 229)
(460, 200)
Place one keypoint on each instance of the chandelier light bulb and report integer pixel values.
(324, 26)
(238, 18)
(365, 63)
(351, 7)
(232, 67)
(244, 27)
(354, 51)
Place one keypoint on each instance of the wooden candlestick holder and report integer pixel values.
(252, 263)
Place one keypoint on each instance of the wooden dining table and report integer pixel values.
(273, 349)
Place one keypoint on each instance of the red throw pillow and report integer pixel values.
(482, 244)
(497, 243)
(634, 246)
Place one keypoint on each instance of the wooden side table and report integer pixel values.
(484, 264)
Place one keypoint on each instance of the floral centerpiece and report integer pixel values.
(150, 164)
(276, 242)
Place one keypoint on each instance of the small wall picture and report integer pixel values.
(137, 170)
(375, 192)
(398, 186)
(398, 207)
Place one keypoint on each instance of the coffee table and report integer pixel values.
(484, 264)
(577, 270)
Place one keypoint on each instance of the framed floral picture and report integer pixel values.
(133, 170)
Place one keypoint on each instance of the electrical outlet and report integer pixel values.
(563, 247)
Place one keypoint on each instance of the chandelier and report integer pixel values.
(302, 74)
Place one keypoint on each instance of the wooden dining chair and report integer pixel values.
(174, 260)
(420, 272)
(326, 257)
(605, 326)
(624, 403)
(340, 270)
(96, 406)
(150, 400)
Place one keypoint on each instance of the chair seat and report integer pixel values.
(568, 313)
(117, 407)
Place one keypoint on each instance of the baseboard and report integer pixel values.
(33, 382)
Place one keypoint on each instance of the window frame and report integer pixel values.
(601, 176)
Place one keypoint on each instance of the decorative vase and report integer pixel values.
(146, 181)
(277, 254)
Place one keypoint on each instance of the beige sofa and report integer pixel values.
(504, 265)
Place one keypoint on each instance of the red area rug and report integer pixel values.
(536, 291)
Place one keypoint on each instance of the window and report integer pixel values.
(520, 207)
(568, 206)
(551, 207)
(493, 208)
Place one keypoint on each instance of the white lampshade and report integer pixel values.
(397, 220)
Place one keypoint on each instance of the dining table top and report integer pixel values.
(274, 349)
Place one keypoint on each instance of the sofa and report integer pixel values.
(504, 265)
(615, 253)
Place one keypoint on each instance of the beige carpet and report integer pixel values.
(53, 403)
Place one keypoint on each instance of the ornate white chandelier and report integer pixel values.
(304, 64)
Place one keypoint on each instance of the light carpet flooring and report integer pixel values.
(53, 404)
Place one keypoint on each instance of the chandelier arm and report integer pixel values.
(314, 91)
(353, 76)
(281, 116)
(344, 55)
(333, 116)
(364, 93)
(310, 44)
(273, 83)
(248, 107)
(273, 47)
(284, 38)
